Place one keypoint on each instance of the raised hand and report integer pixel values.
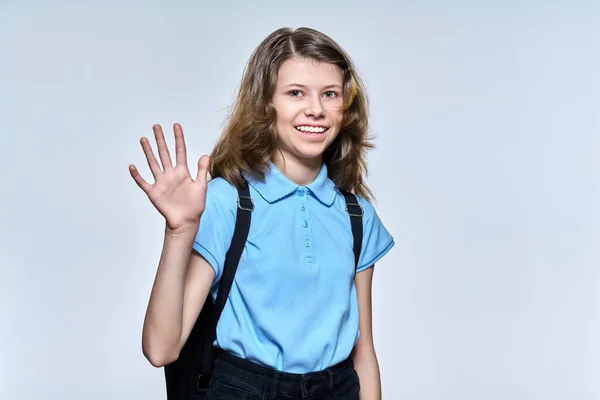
(178, 197)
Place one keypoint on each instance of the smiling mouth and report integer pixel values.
(311, 129)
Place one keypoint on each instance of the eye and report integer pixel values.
(295, 93)
(330, 94)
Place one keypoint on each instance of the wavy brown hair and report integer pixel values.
(249, 136)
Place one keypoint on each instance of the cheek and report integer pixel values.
(336, 114)
(338, 118)
(284, 117)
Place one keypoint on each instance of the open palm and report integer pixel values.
(178, 197)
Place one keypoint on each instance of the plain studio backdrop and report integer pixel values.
(486, 173)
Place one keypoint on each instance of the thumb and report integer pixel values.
(203, 164)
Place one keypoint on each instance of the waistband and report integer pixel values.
(266, 377)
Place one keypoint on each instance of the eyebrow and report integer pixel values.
(334, 86)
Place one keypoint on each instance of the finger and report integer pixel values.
(203, 164)
(163, 151)
(145, 186)
(180, 149)
(152, 163)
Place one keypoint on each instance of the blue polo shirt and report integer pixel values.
(293, 304)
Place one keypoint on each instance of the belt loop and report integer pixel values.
(330, 378)
(275, 379)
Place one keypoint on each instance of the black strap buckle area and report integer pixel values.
(245, 203)
(354, 210)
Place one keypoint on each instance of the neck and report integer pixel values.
(300, 171)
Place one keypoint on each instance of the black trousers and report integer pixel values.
(239, 379)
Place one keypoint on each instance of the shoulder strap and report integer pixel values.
(240, 234)
(355, 211)
(245, 206)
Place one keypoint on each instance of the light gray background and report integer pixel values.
(486, 173)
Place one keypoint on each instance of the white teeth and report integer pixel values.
(312, 129)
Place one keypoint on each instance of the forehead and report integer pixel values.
(308, 72)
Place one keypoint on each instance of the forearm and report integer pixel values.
(164, 315)
(367, 367)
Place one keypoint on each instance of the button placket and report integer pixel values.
(304, 221)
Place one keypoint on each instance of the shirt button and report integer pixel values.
(305, 224)
(307, 243)
(300, 192)
(302, 208)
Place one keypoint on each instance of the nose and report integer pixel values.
(314, 108)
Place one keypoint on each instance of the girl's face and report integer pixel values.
(308, 101)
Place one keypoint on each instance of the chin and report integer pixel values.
(303, 155)
(306, 149)
(310, 152)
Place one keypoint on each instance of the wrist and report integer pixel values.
(184, 231)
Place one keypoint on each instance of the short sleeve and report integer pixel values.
(217, 224)
(377, 241)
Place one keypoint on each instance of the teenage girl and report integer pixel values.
(297, 323)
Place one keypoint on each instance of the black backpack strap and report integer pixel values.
(355, 211)
(245, 206)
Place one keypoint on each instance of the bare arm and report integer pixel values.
(183, 277)
(180, 288)
(363, 354)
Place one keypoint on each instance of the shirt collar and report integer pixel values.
(276, 185)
